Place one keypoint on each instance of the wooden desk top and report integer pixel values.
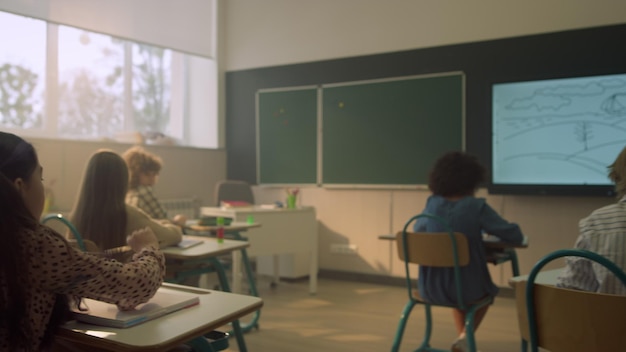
(217, 211)
(216, 309)
(545, 277)
(495, 243)
(208, 248)
(490, 242)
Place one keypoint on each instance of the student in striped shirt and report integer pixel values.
(603, 232)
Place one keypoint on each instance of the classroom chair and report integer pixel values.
(122, 253)
(241, 191)
(76, 240)
(233, 190)
(440, 249)
(561, 319)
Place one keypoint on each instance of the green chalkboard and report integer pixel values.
(287, 136)
(390, 132)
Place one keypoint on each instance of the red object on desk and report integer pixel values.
(220, 230)
(234, 204)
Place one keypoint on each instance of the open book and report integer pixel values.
(107, 314)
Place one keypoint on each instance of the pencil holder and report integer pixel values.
(291, 201)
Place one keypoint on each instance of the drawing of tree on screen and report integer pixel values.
(574, 125)
(583, 133)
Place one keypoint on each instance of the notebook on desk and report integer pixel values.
(107, 314)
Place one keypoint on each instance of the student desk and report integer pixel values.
(161, 334)
(209, 248)
(544, 277)
(234, 229)
(498, 252)
(284, 231)
(203, 258)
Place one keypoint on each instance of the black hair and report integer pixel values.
(456, 174)
(18, 159)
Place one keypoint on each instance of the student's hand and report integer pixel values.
(180, 220)
(142, 238)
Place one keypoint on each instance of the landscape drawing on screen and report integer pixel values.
(559, 131)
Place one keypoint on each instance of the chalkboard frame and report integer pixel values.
(319, 130)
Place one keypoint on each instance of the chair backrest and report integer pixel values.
(433, 248)
(77, 237)
(443, 249)
(233, 190)
(561, 319)
(121, 254)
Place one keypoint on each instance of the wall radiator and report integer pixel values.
(189, 207)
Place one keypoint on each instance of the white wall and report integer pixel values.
(358, 217)
(279, 32)
(187, 172)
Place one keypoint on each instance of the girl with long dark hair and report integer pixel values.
(39, 270)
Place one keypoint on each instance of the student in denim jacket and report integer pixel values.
(453, 182)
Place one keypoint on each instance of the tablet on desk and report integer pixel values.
(107, 314)
(187, 243)
(192, 222)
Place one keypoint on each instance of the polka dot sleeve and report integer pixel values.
(61, 268)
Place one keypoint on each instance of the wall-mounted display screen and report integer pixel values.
(557, 136)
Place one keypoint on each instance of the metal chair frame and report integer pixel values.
(470, 308)
(77, 236)
(530, 292)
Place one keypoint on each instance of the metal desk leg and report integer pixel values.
(236, 272)
(251, 282)
(246, 264)
(276, 264)
(524, 346)
(514, 263)
(238, 331)
(313, 273)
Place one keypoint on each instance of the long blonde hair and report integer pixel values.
(100, 212)
(617, 173)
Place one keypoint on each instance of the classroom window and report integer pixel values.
(90, 84)
(22, 71)
(64, 82)
(151, 87)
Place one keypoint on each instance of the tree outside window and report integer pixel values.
(151, 88)
(22, 71)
